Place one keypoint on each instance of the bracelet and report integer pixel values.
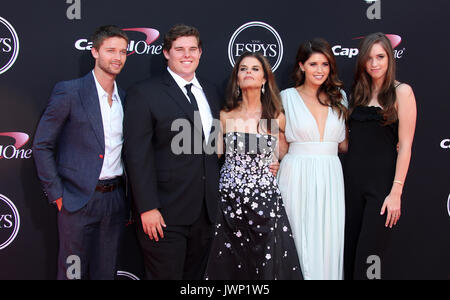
(399, 182)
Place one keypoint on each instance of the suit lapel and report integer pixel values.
(91, 105)
(177, 95)
(122, 96)
(213, 105)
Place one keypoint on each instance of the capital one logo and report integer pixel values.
(9, 45)
(11, 144)
(9, 222)
(141, 40)
(350, 52)
(256, 37)
(445, 144)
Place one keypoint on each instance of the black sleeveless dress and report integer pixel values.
(253, 239)
(369, 171)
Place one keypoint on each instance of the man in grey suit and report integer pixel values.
(78, 154)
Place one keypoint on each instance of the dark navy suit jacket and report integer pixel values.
(69, 144)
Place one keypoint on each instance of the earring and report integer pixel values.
(263, 90)
(238, 91)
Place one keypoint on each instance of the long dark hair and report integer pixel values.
(270, 99)
(362, 86)
(332, 86)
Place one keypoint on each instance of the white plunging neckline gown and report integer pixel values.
(312, 186)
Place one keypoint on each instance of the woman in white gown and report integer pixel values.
(310, 177)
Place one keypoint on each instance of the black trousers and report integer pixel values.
(182, 254)
(89, 239)
(365, 232)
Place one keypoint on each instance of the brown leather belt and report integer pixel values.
(107, 186)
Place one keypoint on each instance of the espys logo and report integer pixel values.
(137, 45)
(12, 149)
(256, 37)
(9, 222)
(349, 52)
(9, 45)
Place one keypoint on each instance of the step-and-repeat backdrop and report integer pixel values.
(43, 42)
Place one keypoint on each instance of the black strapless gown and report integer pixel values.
(369, 171)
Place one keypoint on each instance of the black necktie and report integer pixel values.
(191, 96)
(194, 105)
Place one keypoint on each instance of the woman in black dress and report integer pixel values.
(381, 132)
(253, 238)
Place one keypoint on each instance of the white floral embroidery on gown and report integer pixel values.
(253, 237)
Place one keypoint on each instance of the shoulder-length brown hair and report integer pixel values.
(362, 86)
(270, 99)
(332, 86)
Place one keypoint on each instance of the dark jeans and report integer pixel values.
(89, 238)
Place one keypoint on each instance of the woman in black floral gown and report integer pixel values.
(253, 238)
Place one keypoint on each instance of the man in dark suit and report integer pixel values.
(175, 192)
(78, 154)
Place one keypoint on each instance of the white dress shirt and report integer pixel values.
(202, 102)
(113, 130)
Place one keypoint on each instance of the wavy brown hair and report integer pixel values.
(270, 99)
(332, 86)
(362, 87)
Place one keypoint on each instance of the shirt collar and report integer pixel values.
(181, 82)
(102, 93)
